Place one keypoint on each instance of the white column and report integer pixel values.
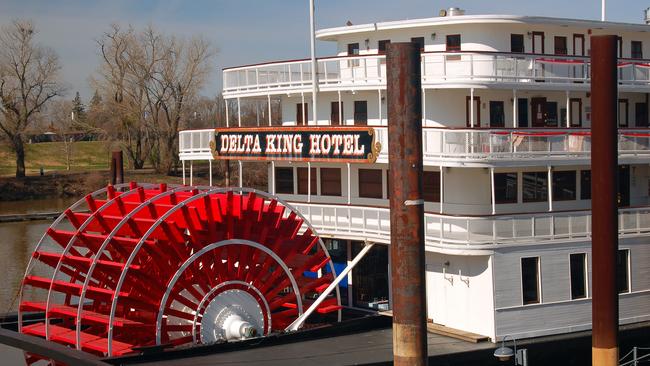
(550, 189)
(241, 174)
(191, 165)
(349, 288)
(568, 110)
(303, 109)
(341, 119)
(514, 109)
(442, 188)
(314, 64)
(424, 107)
(210, 178)
(257, 112)
(239, 112)
(183, 163)
(471, 107)
(273, 177)
(349, 184)
(492, 191)
(225, 101)
(268, 96)
(379, 105)
(308, 181)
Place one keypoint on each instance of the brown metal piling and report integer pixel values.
(117, 167)
(604, 166)
(404, 98)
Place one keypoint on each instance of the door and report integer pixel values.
(560, 45)
(477, 112)
(576, 112)
(436, 290)
(551, 114)
(538, 108)
(370, 278)
(641, 114)
(623, 185)
(538, 42)
(578, 44)
(522, 112)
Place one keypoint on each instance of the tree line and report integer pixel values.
(147, 88)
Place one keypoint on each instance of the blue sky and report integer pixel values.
(251, 31)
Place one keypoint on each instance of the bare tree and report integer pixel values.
(153, 78)
(28, 80)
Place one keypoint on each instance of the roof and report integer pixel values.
(331, 34)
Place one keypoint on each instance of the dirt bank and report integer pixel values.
(77, 184)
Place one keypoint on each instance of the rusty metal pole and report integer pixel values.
(117, 168)
(404, 95)
(604, 166)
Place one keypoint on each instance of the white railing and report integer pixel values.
(373, 223)
(473, 144)
(195, 144)
(437, 68)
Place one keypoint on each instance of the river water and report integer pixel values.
(17, 242)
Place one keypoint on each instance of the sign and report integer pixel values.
(339, 144)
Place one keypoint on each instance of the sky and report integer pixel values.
(252, 31)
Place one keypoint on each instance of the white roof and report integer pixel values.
(331, 34)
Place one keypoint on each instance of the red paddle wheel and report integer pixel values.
(141, 265)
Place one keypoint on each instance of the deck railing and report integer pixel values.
(474, 144)
(373, 223)
(437, 68)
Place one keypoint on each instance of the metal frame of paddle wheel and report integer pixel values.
(147, 225)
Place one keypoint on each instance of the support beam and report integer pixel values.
(314, 63)
(191, 172)
(210, 172)
(273, 177)
(308, 181)
(341, 119)
(604, 167)
(183, 164)
(238, 112)
(471, 107)
(379, 106)
(442, 187)
(492, 194)
(268, 96)
(515, 122)
(549, 187)
(343, 275)
(241, 174)
(226, 102)
(568, 109)
(349, 184)
(404, 96)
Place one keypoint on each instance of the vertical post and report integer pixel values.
(117, 167)
(314, 64)
(514, 108)
(210, 172)
(341, 119)
(308, 181)
(549, 187)
(604, 164)
(241, 174)
(268, 96)
(273, 177)
(349, 184)
(226, 172)
(471, 107)
(191, 175)
(442, 188)
(225, 101)
(183, 162)
(492, 193)
(568, 109)
(239, 112)
(404, 96)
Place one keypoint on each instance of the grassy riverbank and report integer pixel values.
(86, 156)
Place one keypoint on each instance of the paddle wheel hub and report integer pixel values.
(132, 266)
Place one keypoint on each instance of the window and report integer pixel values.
(636, 49)
(497, 114)
(535, 186)
(360, 112)
(522, 112)
(302, 113)
(330, 181)
(370, 185)
(622, 278)
(453, 43)
(419, 41)
(564, 185)
(431, 186)
(560, 46)
(505, 188)
(530, 280)
(383, 45)
(335, 117)
(284, 180)
(353, 50)
(623, 112)
(303, 177)
(517, 43)
(585, 184)
(578, 264)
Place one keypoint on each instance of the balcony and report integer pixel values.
(450, 147)
(438, 69)
(468, 232)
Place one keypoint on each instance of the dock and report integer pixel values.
(30, 216)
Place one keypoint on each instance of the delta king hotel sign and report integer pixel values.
(339, 144)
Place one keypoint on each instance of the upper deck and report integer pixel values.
(482, 51)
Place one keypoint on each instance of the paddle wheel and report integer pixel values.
(132, 266)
